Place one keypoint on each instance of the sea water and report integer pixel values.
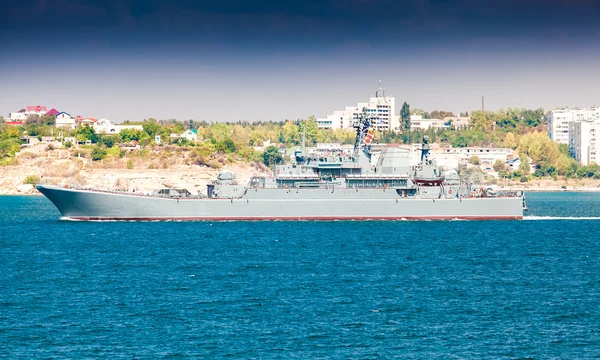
(375, 289)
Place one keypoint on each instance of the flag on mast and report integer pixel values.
(369, 137)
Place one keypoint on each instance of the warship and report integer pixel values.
(331, 184)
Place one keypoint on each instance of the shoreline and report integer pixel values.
(159, 170)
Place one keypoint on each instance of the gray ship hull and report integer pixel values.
(280, 204)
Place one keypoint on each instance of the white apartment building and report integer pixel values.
(558, 121)
(340, 119)
(380, 108)
(584, 144)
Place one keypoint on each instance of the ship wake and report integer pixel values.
(561, 217)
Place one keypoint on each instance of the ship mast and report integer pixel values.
(363, 135)
(303, 138)
(364, 131)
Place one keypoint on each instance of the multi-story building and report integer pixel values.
(584, 144)
(558, 121)
(380, 108)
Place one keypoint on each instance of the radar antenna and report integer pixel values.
(380, 92)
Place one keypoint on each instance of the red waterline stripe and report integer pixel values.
(295, 218)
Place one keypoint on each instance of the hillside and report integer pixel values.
(126, 173)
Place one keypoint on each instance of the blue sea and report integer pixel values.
(418, 290)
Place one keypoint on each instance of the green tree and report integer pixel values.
(405, 116)
(482, 120)
(109, 140)
(290, 134)
(132, 134)
(256, 138)
(563, 164)
(498, 165)
(226, 145)
(524, 167)
(152, 128)
(312, 130)
(440, 114)
(98, 153)
(511, 140)
(86, 132)
(272, 156)
(33, 120)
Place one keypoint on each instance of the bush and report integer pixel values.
(214, 164)
(68, 144)
(8, 161)
(49, 147)
(130, 164)
(81, 153)
(32, 180)
(114, 152)
(9, 147)
(98, 153)
(523, 179)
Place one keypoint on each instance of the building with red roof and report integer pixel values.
(36, 110)
(85, 120)
(52, 112)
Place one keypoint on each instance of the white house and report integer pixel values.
(18, 116)
(36, 110)
(64, 120)
(85, 120)
(105, 126)
(189, 135)
(452, 157)
(458, 121)
(417, 122)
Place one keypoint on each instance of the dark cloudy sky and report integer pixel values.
(272, 60)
